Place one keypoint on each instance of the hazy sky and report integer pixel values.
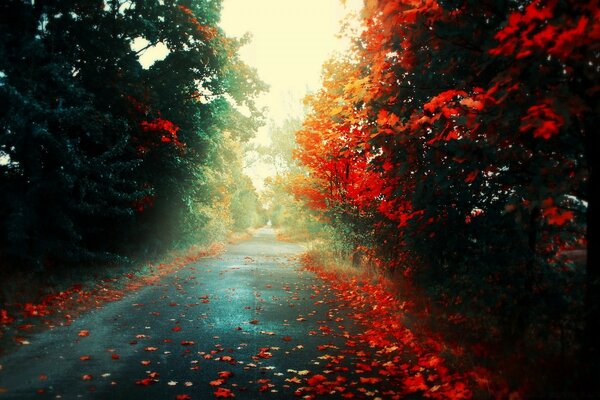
(291, 39)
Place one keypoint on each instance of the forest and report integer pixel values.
(449, 152)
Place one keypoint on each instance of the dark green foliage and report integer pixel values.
(100, 158)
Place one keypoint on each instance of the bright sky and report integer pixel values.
(291, 39)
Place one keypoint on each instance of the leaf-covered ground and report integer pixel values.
(252, 323)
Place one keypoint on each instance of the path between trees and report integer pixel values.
(250, 323)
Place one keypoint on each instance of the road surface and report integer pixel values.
(248, 323)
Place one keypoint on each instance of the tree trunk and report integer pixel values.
(590, 349)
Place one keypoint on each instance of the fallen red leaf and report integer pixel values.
(83, 333)
(87, 377)
(145, 382)
(176, 329)
(183, 397)
(316, 379)
(370, 380)
(224, 393)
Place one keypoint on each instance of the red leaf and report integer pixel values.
(145, 382)
(183, 397)
(224, 393)
(415, 383)
(472, 176)
(5, 318)
(316, 379)
(83, 333)
(370, 380)
(176, 329)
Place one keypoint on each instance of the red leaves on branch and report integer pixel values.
(554, 215)
(166, 130)
(542, 120)
(535, 30)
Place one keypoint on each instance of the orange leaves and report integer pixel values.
(208, 31)
(263, 352)
(386, 118)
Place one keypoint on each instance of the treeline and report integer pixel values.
(454, 147)
(102, 159)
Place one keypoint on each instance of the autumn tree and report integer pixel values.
(455, 143)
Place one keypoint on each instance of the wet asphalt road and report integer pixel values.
(251, 311)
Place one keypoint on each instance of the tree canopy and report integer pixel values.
(102, 158)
